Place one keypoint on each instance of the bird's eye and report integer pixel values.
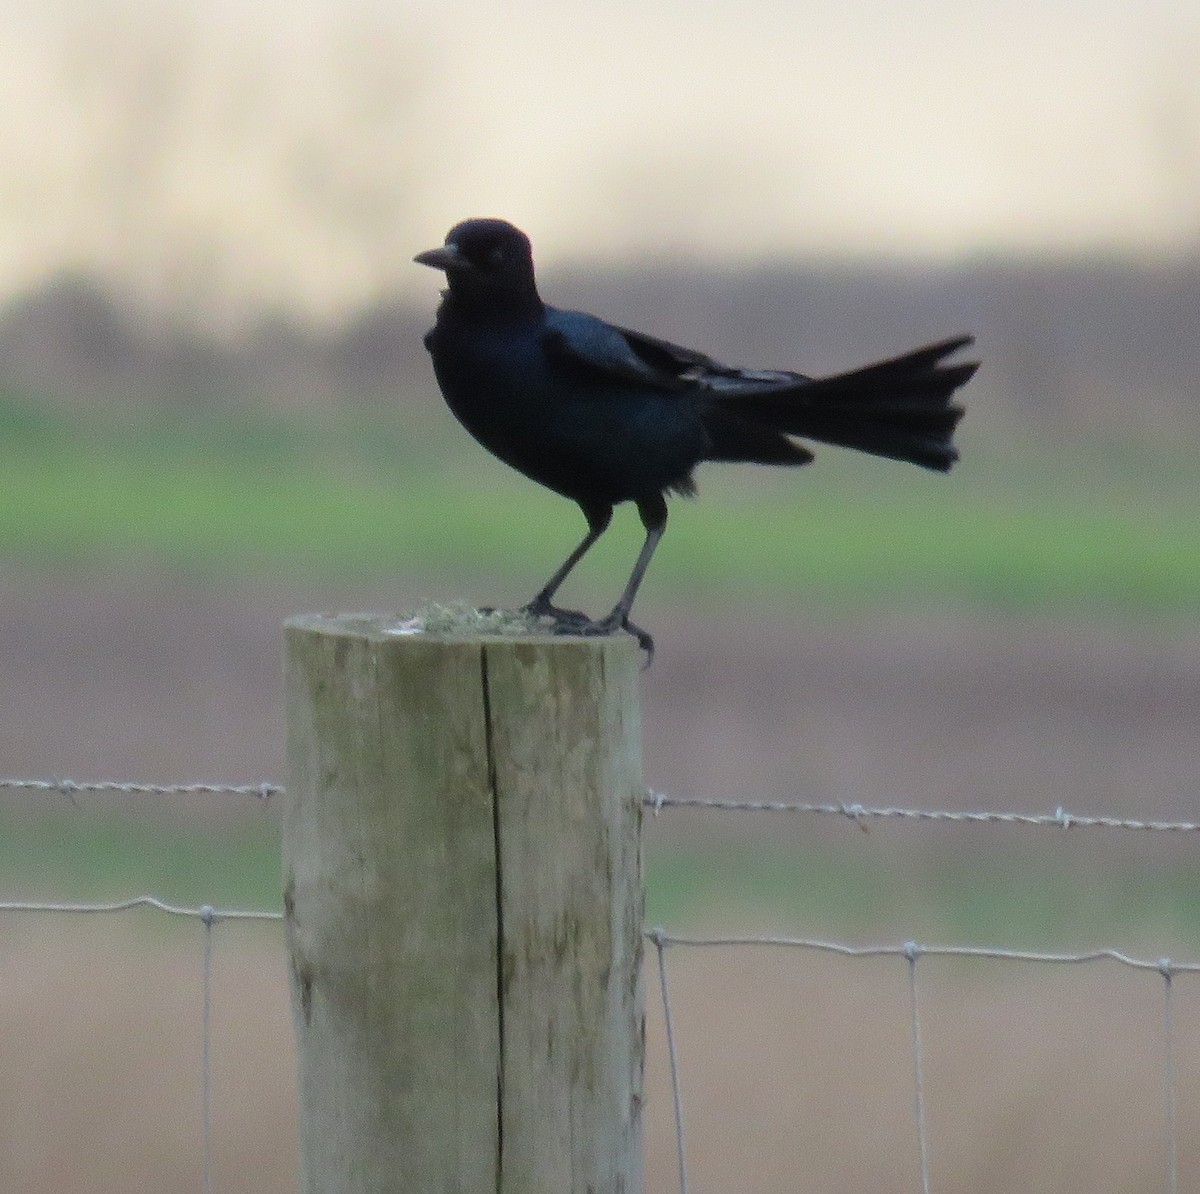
(495, 256)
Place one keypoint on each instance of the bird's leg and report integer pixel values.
(542, 606)
(653, 513)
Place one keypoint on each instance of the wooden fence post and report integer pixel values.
(463, 896)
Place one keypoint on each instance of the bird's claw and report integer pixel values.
(611, 625)
(644, 641)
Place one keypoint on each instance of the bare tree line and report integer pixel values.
(1102, 344)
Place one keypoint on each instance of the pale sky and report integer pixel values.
(221, 154)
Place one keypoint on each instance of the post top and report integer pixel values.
(442, 624)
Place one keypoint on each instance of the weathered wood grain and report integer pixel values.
(463, 890)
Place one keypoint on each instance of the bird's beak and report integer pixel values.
(447, 258)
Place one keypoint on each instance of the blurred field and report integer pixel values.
(795, 1068)
(215, 412)
(1082, 529)
(1021, 635)
(796, 1071)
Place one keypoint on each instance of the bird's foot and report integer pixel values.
(566, 621)
(575, 622)
(611, 625)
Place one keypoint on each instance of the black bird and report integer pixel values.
(603, 415)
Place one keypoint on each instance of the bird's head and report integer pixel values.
(486, 261)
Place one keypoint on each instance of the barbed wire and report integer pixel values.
(72, 788)
(657, 802)
(862, 813)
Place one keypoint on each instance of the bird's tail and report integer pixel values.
(899, 408)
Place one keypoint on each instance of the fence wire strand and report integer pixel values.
(72, 788)
(860, 814)
(983, 952)
(207, 918)
(1168, 973)
(658, 802)
(659, 938)
(144, 901)
(912, 951)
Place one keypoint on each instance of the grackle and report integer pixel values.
(604, 415)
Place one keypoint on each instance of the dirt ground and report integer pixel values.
(796, 1072)
(796, 1068)
(154, 677)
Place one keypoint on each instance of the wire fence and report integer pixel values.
(656, 802)
(911, 953)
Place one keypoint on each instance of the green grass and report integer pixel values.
(860, 890)
(1092, 527)
(81, 854)
(1022, 899)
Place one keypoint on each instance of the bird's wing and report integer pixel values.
(585, 342)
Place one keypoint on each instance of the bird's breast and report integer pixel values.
(605, 440)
